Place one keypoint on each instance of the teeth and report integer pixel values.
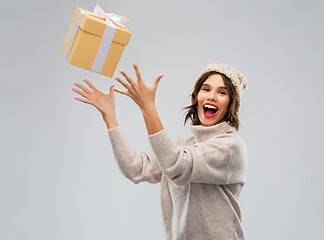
(210, 106)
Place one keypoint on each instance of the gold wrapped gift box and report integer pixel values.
(83, 51)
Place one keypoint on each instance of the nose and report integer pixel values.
(211, 96)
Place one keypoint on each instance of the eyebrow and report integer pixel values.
(205, 84)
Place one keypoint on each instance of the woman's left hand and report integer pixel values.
(142, 93)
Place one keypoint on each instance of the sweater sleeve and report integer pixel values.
(220, 160)
(136, 166)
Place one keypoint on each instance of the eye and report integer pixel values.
(222, 92)
(205, 89)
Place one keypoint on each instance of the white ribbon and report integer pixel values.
(98, 11)
(107, 37)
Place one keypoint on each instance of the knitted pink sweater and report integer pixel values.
(201, 179)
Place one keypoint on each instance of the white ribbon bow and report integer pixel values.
(98, 11)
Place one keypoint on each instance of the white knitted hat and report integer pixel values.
(238, 80)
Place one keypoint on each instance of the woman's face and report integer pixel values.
(213, 100)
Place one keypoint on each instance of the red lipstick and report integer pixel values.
(208, 113)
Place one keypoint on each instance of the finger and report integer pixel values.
(128, 78)
(127, 93)
(127, 86)
(82, 100)
(90, 84)
(122, 82)
(121, 92)
(83, 88)
(138, 74)
(157, 79)
(111, 90)
(81, 93)
(132, 89)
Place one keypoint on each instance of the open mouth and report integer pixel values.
(209, 110)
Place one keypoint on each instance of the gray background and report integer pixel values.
(58, 176)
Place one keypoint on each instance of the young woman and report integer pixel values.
(201, 177)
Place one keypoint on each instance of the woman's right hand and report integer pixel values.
(105, 103)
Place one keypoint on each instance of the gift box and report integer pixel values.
(95, 42)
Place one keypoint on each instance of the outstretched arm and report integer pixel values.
(144, 96)
(136, 166)
(105, 103)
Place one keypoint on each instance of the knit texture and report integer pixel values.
(201, 179)
(238, 80)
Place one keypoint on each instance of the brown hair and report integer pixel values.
(233, 107)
